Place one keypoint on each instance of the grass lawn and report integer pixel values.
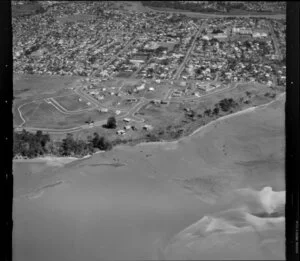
(28, 8)
(125, 105)
(72, 103)
(44, 115)
(27, 85)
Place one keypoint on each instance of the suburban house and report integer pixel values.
(126, 120)
(120, 132)
(147, 127)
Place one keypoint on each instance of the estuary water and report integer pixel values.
(218, 194)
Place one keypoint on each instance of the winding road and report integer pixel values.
(131, 112)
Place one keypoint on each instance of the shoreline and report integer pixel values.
(54, 159)
(212, 122)
(50, 159)
(64, 160)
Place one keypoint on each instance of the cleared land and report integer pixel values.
(42, 86)
(125, 104)
(47, 116)
(25, 9)
(72, 102)
(161, 115)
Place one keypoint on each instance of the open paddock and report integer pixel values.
(160, 91)
(27, 86)
(17, 121)
(126, 104)
(160, 114)
(26, 9)
(245, 95)
(110, 101)
(44, 115)
(129, 87)
(111, 83)
(73, 102)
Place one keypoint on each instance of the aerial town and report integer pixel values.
(149, 130)
(145, 69)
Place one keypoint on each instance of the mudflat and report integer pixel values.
(207, 196)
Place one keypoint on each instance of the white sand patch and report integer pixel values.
(266, 200)
(268, 231)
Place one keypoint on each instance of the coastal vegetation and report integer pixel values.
(30, 145)
(111, 123)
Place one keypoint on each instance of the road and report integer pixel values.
(274, 38)
(129, 114)
(115, 56)
(208, 15)
(63, 110)
(180, 68)
(180, 99)
(20, 113)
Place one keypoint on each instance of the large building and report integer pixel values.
(139, 58)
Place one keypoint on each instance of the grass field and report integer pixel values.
(125, 105)
(162, 115)
(72, 103)
(28, 8)
(159, 92)
(26, 86)
(44, 115)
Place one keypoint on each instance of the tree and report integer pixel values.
(68, 145)
(101, 143)
(207, 112)
(111, 123)
(216, 111)
(227, 104)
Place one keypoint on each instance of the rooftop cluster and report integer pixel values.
(220, 6)
(76, 38)
(235, 50)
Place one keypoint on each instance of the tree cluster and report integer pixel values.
(111, 123)
(31, 145)
(227, 104)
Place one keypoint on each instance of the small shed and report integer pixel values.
(103, 110)
(126, 120)
(147, 127)
(120, 132)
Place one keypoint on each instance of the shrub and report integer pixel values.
(111, 123)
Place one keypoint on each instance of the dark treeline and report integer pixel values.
(30, 145)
